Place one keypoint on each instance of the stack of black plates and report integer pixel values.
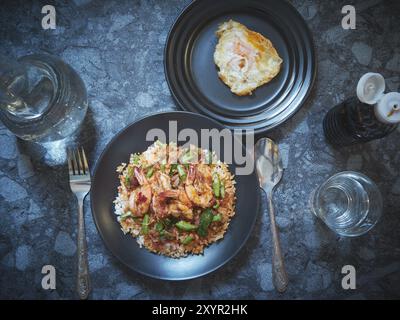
(192, 74)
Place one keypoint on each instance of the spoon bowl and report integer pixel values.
(268, 164)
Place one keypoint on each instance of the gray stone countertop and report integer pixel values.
(117, 48)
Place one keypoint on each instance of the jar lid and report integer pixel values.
(387, 110)
(370, 88)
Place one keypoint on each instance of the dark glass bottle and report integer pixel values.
(353, 122)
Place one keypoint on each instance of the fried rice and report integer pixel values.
(175, 201)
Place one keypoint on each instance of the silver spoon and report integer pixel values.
(269, 170)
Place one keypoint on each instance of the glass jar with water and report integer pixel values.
(349, 203)
(42, 98)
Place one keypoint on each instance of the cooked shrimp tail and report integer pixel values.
(141, 178)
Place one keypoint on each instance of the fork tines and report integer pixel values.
(77, 162)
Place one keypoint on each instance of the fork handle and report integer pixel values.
(83, 283)
(279, 275)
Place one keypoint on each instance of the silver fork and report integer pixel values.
(79, 181)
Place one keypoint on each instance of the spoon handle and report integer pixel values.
(279, 275)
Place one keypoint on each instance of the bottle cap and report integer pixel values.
(370, 88)
(387, 110)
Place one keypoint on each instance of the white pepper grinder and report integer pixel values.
(369, 116)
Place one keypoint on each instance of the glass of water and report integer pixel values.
(349, 203)
(42, 98)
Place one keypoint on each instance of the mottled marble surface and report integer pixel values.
(117, 47)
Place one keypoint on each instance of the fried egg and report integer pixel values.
(245, 58)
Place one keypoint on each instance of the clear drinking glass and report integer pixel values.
(41, 97)
(348, 202)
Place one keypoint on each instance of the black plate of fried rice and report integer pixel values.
(190, 253)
